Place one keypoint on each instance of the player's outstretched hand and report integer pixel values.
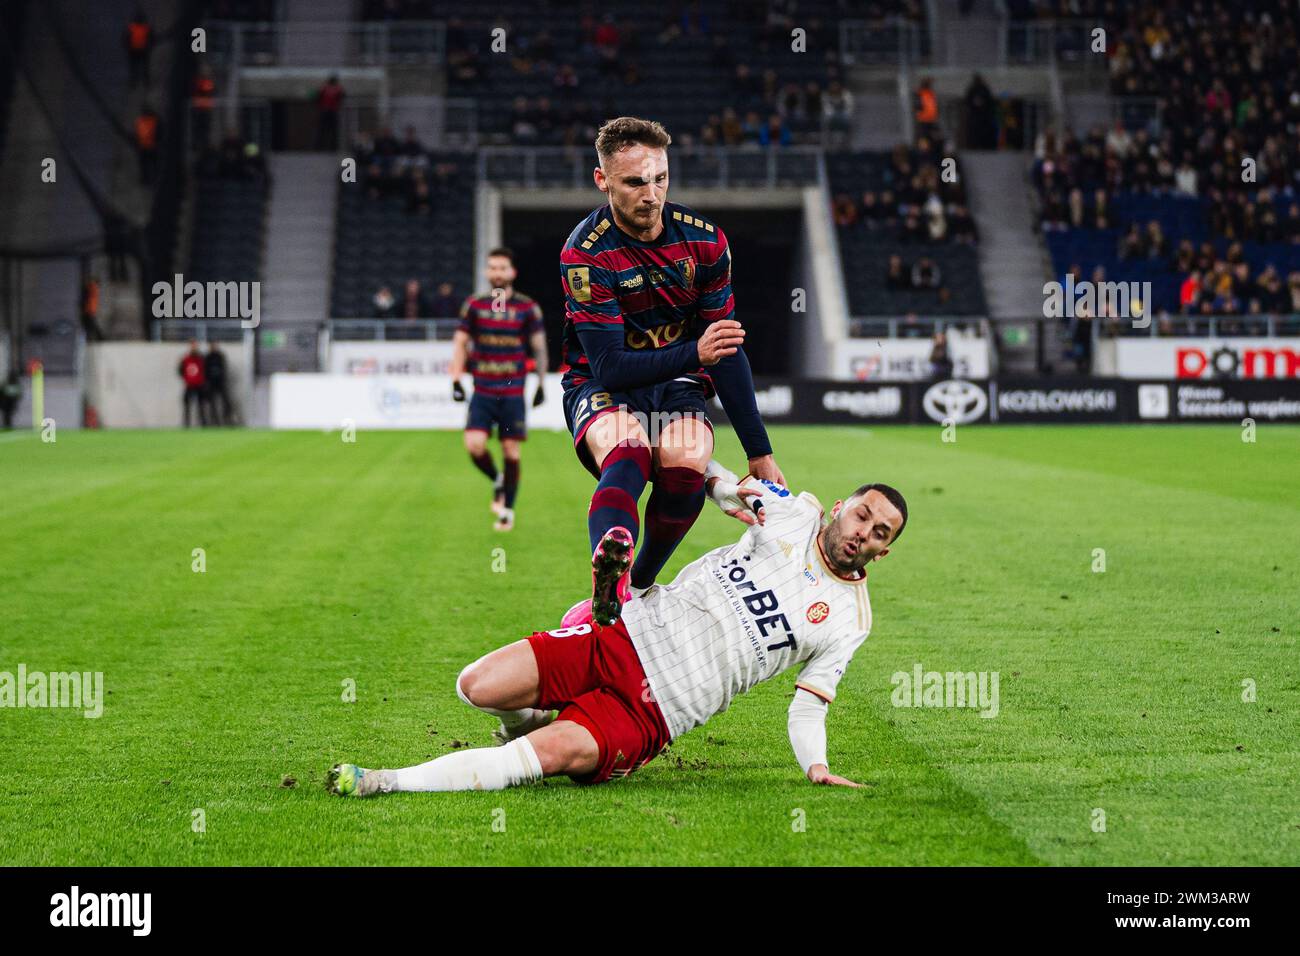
(720, 339)
(820, 773)
(752, 513)
(539, 396)
(457, 391)
(734, 501)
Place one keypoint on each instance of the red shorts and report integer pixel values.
(591, 674)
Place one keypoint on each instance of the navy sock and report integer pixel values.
(673, 507)
(511, 481)
(483, 461)
(623, 475)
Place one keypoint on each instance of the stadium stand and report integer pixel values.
(894, 211)
(1200, 199)
(744, 85)
(229, 215)
(414, 218)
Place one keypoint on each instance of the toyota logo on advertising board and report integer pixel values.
(963, 402)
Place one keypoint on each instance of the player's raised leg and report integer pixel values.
(681, 454)
(621, 452)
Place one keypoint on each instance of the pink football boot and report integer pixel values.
(611, 572)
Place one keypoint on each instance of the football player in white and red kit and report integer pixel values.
(792, 592)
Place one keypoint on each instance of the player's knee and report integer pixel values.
(565, 747)
(691, 453)
(610, 431)
(470, 685)
(475, 442)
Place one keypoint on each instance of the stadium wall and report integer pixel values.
(384, 401)
(136, 385)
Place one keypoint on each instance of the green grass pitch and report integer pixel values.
(1120, 691)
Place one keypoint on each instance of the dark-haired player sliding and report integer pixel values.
(499, 324)
(649, 334)
(791, 593)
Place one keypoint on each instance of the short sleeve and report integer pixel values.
(821, 674)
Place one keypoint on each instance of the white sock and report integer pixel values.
(522, 721)
(483, 768)
(637, 592)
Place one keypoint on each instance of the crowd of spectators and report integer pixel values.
(1219, 149)
(914, 207)
(415, 303)
(403, 168)
(584, 78)
(1078, 180)
(918, 204)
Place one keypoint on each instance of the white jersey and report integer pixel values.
(746, 612)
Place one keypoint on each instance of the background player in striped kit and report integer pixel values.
(499, 325)
(649, 334)
(791, 592)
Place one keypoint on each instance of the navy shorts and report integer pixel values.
(587, 401)
(505, 411)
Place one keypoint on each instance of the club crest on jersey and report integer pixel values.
(818, 612)
(687, 266)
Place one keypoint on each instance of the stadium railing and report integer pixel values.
(693, 166)
(912, 326)
(1066, 44)
(1200, 326)
(456, 120)
(202, 330)
(232, 44)
(891, 41)
(383, 330)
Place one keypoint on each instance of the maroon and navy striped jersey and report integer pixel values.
(500, 338)
(650, 295)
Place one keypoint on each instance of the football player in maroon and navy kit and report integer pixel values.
(501, 325)
(649, 335)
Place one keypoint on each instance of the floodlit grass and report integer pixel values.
(373, 562)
